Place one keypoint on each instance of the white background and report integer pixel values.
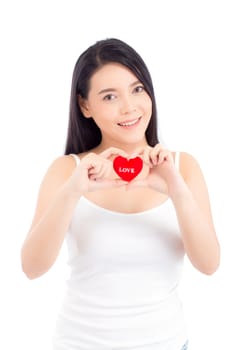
(187, 46)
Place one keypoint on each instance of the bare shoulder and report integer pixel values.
(189, 166)
(61, 168)
(59, 171)
(56, 175)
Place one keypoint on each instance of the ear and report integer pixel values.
(83, 104)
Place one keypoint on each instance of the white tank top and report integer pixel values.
(124, 274)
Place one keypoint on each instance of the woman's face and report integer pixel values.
(120, 106)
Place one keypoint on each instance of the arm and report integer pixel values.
(61, 188)
(192, 205)
(188, 192)
(53, 213)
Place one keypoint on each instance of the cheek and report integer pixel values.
(104, 113)
(102, 118)
(150, 110)
(147, 104)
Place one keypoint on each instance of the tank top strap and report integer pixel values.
(177, 160)
(76, 158)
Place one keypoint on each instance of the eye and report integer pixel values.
(109, 97)
(139, 88)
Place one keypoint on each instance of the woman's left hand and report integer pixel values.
(163, 176)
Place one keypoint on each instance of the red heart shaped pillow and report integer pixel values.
(127, 169)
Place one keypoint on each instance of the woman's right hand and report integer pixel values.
(94, 171)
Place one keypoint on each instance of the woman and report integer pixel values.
(126, 237)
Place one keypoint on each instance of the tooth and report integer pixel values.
(130, 123)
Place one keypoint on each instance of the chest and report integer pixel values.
(123, 201)
(153, 234)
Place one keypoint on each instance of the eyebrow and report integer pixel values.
(113, 89)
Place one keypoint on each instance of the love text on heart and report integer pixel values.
(126, 170)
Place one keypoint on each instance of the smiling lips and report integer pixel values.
(128, 124)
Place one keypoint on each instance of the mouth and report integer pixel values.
(129, 123)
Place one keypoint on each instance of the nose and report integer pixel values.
(127, 105)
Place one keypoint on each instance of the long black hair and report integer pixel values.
(83, 133)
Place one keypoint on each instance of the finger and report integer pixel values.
(147, 156)
(155, 154)
(113, 151)
(100, 163)
(99, 184)
(95, 169)
(144, 153)
(118, 182)
(163, 156)
(104, 170)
